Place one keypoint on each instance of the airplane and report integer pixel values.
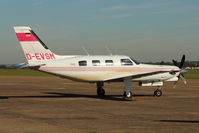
(96, 68)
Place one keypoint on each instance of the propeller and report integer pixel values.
(182, 70)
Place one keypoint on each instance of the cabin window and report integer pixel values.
(126, 62)
(83, 63)
(95, 62)
(109, 62)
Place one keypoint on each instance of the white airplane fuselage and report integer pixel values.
(103, 71)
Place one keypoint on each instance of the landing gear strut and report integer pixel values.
(127, 88)
(100, 89)
(158, 92)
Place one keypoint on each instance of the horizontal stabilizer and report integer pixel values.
(24, 65)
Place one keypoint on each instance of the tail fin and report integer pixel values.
(36, 52)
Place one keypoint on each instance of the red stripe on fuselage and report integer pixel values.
(117, 69)
(26, 37)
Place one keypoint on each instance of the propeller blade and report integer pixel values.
(182, 62)
(183, 78)
(182, 70)
(174, 84)
(175, 62)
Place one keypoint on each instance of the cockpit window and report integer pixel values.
(136, 62)
(83, 63)
(126, 62)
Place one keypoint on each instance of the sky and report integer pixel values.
(146, 30)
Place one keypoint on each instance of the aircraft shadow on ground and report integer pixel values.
(179, 121)
(70, 95)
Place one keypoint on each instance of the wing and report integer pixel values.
(120, 78)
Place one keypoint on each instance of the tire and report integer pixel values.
(158, 93)
(129, 95)
(124, 94)
(100, 92)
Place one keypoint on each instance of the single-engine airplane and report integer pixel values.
(96, 69)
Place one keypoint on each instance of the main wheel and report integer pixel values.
(127, 95)
(100, 92)
(158, 93)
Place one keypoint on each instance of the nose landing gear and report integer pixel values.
(127, 88)
(127, 94)
(158, 92)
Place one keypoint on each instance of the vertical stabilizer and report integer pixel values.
(36, 52)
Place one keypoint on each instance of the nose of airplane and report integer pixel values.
(175, 68)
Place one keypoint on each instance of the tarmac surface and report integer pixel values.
(53, 105)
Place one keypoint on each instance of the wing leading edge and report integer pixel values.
(136, 76)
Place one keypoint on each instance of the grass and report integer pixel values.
(191, 74)
(21, 72)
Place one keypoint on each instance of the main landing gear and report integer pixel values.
(158, 92)
(100, 89)
(127, 88)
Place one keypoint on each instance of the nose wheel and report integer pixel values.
(158, 92)
(127, 94)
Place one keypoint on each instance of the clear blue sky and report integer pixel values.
(147, 30)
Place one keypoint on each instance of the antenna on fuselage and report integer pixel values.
(85, 50)
(109, 51)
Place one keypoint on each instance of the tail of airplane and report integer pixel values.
(36, 52)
